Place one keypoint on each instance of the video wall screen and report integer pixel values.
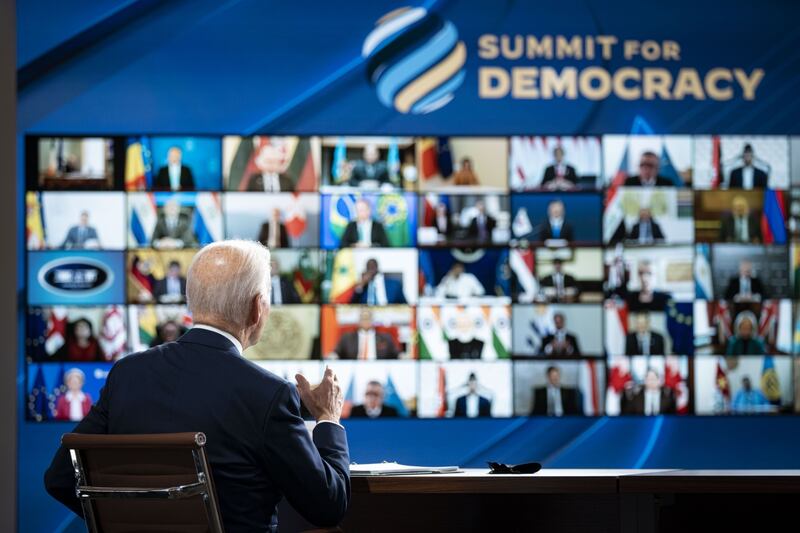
(439, 277)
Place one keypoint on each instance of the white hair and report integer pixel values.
(223, 279)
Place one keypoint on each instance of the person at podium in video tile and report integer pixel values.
(173, 228)
(741, 224)
(364, 232)
(559, 176)
(556, 228)
(376, 289)
(174, 176)
(559, 286)
(748, 176)
(373, 406)
(366, 343)
(745, 287)
(555, 400)
(646, 298)
(282, 290)
(82, 235)
(651, 399)
(644, 341)
(458, 284)
(472, 404)
(273, 232)
(649, 165)
(369, 170)
(560, 342)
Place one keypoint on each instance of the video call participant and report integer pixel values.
(556, 226)
(363, 232)
(80, 344)
(472, 404)
(560, 342)
(260, 450)
(173, 228)
(169, 331)
(441, 221)
(172, 287)
(373, 406)
(644, 341)
(745, 340)
(646, 298)
(376, 289)
(652, 399)
(273, 232)
(646, 230)
(481, 227)
(369, 168)
(282, 290)
(555, 400)
(459, 285)
(741, 224)
(649, 165)
(559, 176)
(73, 404)
(82, 235)
(271, 161)
(174, 176)
(366, 343)
(749, 400)
(465, 176)
(747, 176)
(559, 286)
(745, 287)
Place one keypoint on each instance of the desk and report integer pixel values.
(596, 500)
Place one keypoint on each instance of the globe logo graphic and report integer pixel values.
(414, 60)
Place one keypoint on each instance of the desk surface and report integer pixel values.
(585, 481)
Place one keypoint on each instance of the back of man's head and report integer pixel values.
(223, 280)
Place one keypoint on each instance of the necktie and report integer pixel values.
(743, 237)
(559, 286)
(371, 298)
(273, 235)
(363, 346)
(745, 288)
(81, 235)
(556, 231)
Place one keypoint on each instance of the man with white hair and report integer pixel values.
(258, 445)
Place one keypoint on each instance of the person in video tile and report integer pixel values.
(559, 176)
(560, 342)
(472, 404)
(73, 404)
(459, 285)
(376, 289)
(373, 406)
(644, 341)
(81, 343)
(370, 168)
(745, 287)
(649, 165)
(364, 232)
(174, 176)
(366, 343)
(741, 224)
(556, 226)
(646, 298)
(651, 399)
(555, 400)
(745, 340)
(748, 176)
(82, 235)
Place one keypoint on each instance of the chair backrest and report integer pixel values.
(144, 483)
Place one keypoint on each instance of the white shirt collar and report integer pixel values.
(225, 334)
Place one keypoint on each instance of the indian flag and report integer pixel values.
(432, 340)
(499, 320)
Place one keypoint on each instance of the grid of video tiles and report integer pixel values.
(439, 277)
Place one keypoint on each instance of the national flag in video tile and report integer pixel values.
(432, 339)
(207, 218)
(138, 169)
(613, 215)
(444, 158)
(680, 326)
(392, 210)
(704, 286)
(143, 218)
(343, 282)
(38, 404)
(428, 163)
(722, 391)
(338, 171)
(56, 334)
(667, 169)
(295, 217)
(521, 264)
(770, 385)
(441, 410)
(619, 376)
(587, 381)
(393, 399)
(34, 222)
(349, 399)
(773, 216)
(673, 378)
(716, 162)
(112, 334)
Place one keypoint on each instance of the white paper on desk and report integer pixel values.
(386, 469)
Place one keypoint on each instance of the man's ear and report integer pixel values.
(256, 309)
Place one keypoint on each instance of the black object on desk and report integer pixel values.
(522, 468)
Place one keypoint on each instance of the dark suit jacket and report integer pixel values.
(394, 293)
(658, 303)
(283, 236)
(183, 230)
(363, 171)
(570, 339)
(473, 228)
(569, 175)
(633, 404)
(756, 287)
(570, 401)
(160, 288)
(74, 241)
(288, 293)
(465, 350)
(256, 182)
(569, 283)
(484, 407)
(727, 229)
(387, 411)
(636, 181)
(161, 182)
(258, 445)
(736, 181)
(350, 235)
(656, 344)
(347, 347)
(655, 230)
(546, 231)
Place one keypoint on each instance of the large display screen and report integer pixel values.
(439, 277)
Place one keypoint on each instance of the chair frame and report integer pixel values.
(87, 493)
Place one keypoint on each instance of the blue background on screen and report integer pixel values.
(113, 293)
(485, 268)
(583, 212)
(201, 154)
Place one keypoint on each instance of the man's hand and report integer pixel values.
(323, 401)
